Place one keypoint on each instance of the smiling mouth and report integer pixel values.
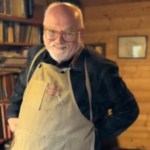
(60, 47)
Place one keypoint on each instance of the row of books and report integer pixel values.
(12, 60)
(11, 64)
(5, 132)
(18, 8)
(14, 32)
(7, 83)
(17, 52)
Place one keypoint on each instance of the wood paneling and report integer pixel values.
(107, 23)
(135, 71)
(90, 3)
(118, 17)
(138, 84)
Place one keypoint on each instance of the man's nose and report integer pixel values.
(60, 37)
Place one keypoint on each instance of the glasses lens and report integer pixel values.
(69, 36)
(53, 34)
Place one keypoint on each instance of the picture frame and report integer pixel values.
(99, 47)
(132, 46)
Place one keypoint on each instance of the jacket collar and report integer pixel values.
(76, 63)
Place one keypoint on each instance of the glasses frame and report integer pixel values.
(62, 33)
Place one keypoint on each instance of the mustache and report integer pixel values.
(58, 45)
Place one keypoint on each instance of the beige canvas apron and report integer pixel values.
(52, 122)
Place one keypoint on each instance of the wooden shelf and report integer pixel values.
(4, 101)
(31, 21)
(14, 45)
(7, 71)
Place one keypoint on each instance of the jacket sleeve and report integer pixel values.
(17, 95)
(119, 99)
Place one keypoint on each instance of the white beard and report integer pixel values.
(63, 56)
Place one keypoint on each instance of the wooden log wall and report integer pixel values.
(104, 24)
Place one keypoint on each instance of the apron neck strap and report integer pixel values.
(34, 59)
(88, 87)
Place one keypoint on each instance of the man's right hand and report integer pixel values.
(12, 123)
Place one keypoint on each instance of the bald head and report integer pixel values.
(63, 26)
(64, 12)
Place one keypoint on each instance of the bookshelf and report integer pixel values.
(10, 68)
(17, 33)
(20, 28)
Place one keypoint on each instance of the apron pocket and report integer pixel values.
(34, 94)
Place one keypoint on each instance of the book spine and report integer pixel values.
(29, 8)
(1, 124)
(2, 7)
(5, 132)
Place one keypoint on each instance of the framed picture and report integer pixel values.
(132, 46)
(99, 47)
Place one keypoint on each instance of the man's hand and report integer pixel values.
(12, 123)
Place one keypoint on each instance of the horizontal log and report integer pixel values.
(136, 129)
(121, 23)
(142, 96)
(133, 134)
(132, 62)
(135, 71)
(142, 121)
(111, 11)
(144, 107)
(139, 131)
(107, 2)
(138, 84)
(132, 143)
(89, 32)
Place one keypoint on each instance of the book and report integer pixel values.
(17, 30)
(28, 8)
(5, 31)
(12, 59)
(14, 62)
(2, 90)
(1, 124)
(1, 31)
(7, 7)
(10, 32)
(5, 132)
(18, 8)
(2, 9)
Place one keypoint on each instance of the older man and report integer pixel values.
(62, 98)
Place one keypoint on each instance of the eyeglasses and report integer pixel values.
(68, 36)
